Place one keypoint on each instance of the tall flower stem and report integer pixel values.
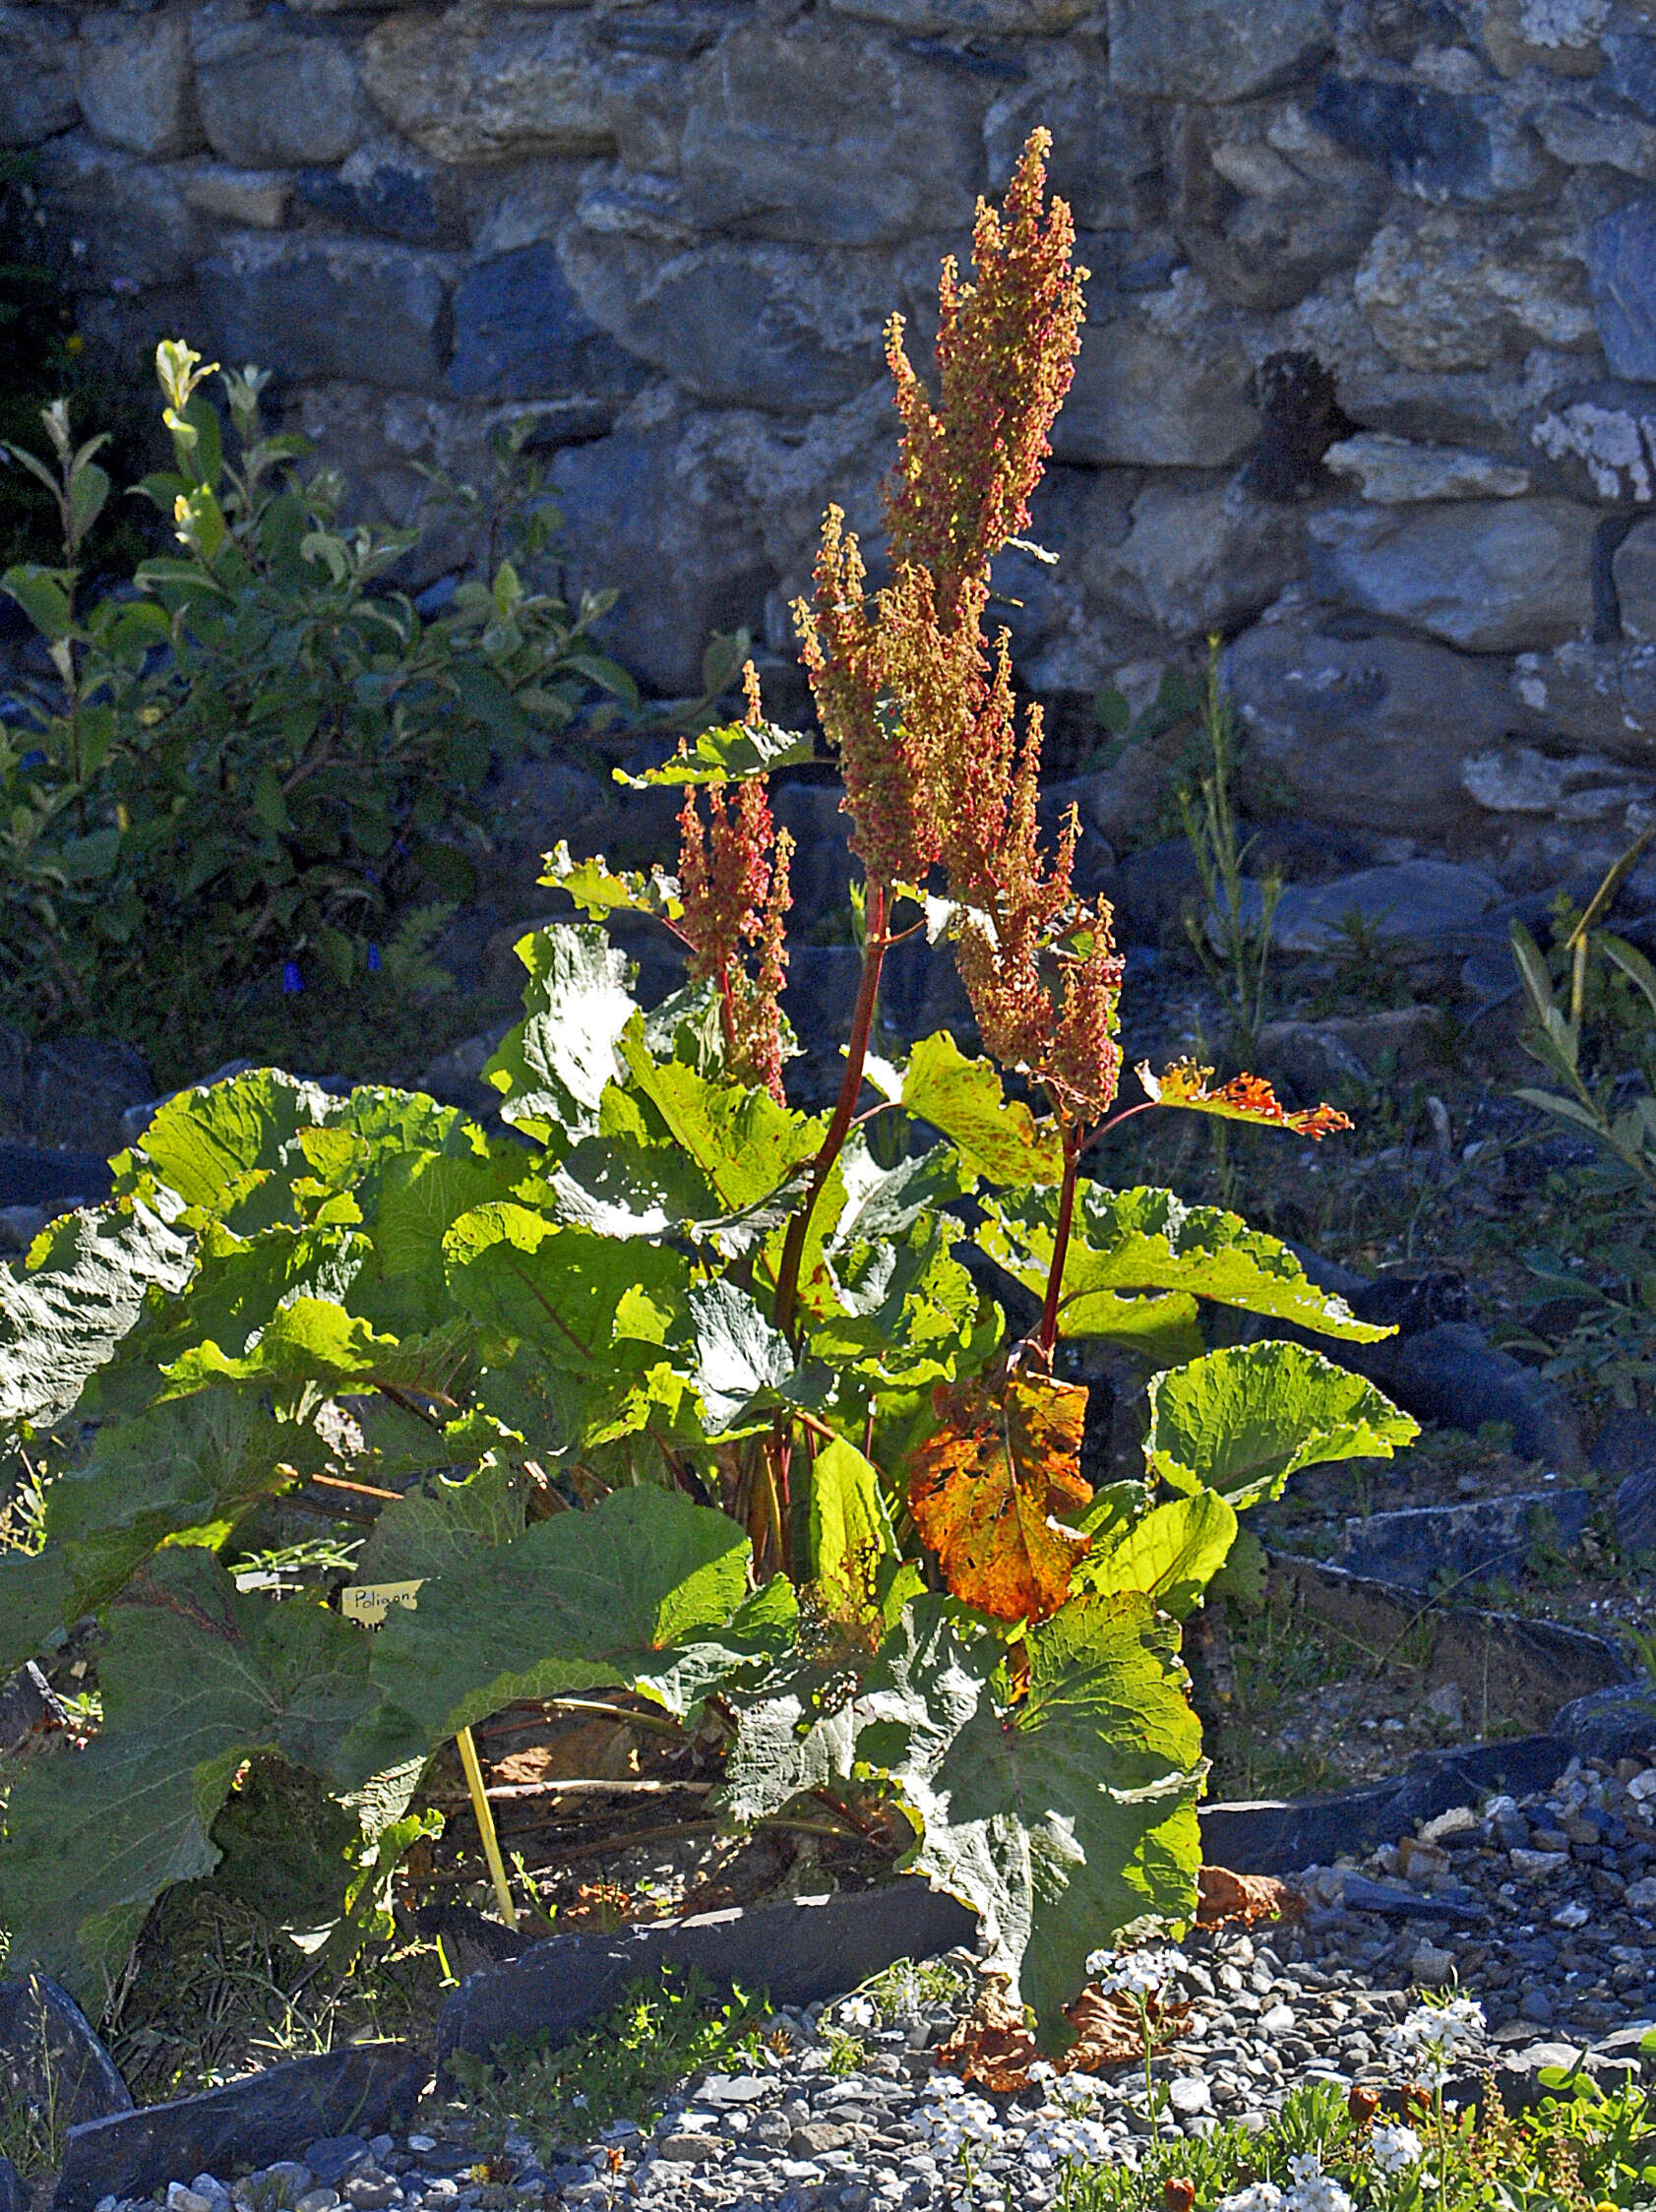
(875, 946)
(1074, 1144)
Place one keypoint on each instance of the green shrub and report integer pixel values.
(263, 752)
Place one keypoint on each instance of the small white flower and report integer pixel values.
(1395, 2149)
(1433, 2039)
(857, 2012)
(1313, 2189)
(1134, 1974)
(1262, 2197)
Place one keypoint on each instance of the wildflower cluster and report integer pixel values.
(1311, 2190)
(1431, 2044)
(1395, 2149)
(733, 881)
(1134, 1974)
(956, 2121)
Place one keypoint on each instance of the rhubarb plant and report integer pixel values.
(674, 1386)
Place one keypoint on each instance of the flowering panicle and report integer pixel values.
(733, 881)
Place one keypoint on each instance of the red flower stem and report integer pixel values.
(1073, 1143)
(844, 1112)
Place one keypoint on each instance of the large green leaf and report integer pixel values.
(440, 1526)
(727, 755)
(587, 1597)
(207, 1142)
(64, 1313)
(1063, 1813)
(739, 1356)
(1242, 1420)
(635, 1179)
(195, 1680)
(994, 1136)
(37, 1596)
(1127, 1243)
(796, 1730)
(552, 1069)
(746, 1145)
(1169, 1556)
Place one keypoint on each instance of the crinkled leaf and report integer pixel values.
(1063, 1813)
(552, 1069)
(65, 1312)
(601, 891)
(1245, 1098)
(1170, 1556)
(195, 1680)
(436, 1526)
(739, 1356)
(587, 1597)
(747, 1146)
(1127, 1243)
(796, 1730)
(764, 1627)
(849, 1532)
(1242, 1420)
(994, 1136)
(727, 755)
(206, 1141)
(986, 1487)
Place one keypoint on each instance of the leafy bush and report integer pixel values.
(264, 749)
(677, 1387)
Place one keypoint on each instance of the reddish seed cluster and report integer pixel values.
(733, 879)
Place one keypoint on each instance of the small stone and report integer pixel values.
(317, 2200)
(1537, 2006)
(370, 2196)
(1397, 472)
(687, 2150)
(1190, 2095)
(335, 2156)
(180, 2198)
(817, 2136)
(1641, 1896)
(1431, 1967)
(1572, 1914)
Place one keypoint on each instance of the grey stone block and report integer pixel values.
(521, 333)
(38, 97)
(1452, 1373)
(375, 314)
(1612, 1723)
(132, 75)
(1431, 142)
(48, 2054)
(798, 1952)
(1621, 272)
(1467, 1544)
(271, 98)
(363, 2088)
(1213, 49)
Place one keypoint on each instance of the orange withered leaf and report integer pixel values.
(1224, 1896)
(1178, 2193)
(984, 1489)
(1110, 2032)
(1245, 1098)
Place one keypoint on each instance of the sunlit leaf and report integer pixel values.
(553, 1068)
(1245, 1098)
(984, 1490)
(994, 1136)
(601, 891)
(1170, 1556)
(727, 755)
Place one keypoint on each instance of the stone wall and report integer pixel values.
(1368, 380)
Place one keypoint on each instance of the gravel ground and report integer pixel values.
(1542, 1910)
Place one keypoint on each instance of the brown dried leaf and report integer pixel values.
(994, 2045)
(1110, 2033)
(1222, 1895)
(983, 1491)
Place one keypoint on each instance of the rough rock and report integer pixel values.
(254, 199)
(275, 100)
(131, 222)
(133, 77)
(15, 2193)
(1143, 399)
(37, 98)
(478, 86)
(1368, 732)
(28, 1708)
(1621, 270)
(1197, 561)
(1634, 569)
(366, 2086)
(1611, 1724)
(1451, 1374)
(1436, 144)
(987, 18)
(1600, 439)
(1108, 156)
(1466, 1544)
(335, 308)
(1583, 787)
(1212, 49)
(1421, 902)
(1399, 472)
(1448, 288)
(1489, 575)
(1559, 35)
(521, 333)
(800, 134)
(49, 2055)
(1598, 695)
(810, 324)
(1626, 1447)
(799, 1951)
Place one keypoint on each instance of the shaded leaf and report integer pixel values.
(739, 1356)
(438, 1525)
(984, 1489)
(1242, 1420)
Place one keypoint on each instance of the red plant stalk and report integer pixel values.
(875, 946)
(1074, 1142)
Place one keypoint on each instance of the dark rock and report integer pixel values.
(49, 2055)
(69, 1091)
(1636, 1511)
(1627, 1446)
(389, 203)
(1359, 1895)
(1411, 1304)
(1629, 61)
(52, 1181)
(29, 1707)
(1281, 1837)
(1154, 890)
(1429, 142)
(363, 311)
(1621, 272)
(1451, 1374)
(522, 333)
(1471, 1543)
(797, 1952)
(14, 2191)
(365, 2085)
(1611, 1723)
(335, 2155)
